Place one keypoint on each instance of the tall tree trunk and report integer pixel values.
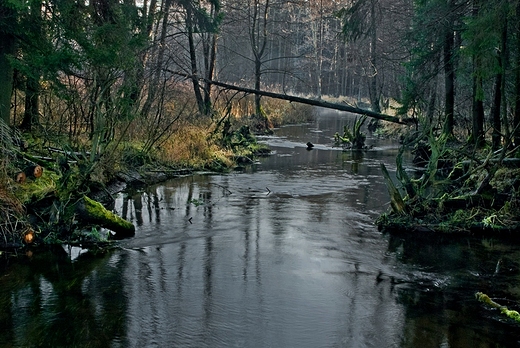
(504, 63)
(516, 120)
(478, 107)
(498, 101)
(135, 79)
(318, 48)
(32, 103)
(432, 101)
(258, 76)
(449, 77)
(32, 78)
(193, 59)
(258, 37)
(159, 62)
(372, 88)
(495, 112)
(210, 57)
(477, 132)
(210, 61)
(7, 48)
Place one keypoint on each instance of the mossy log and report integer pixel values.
(94, 212)
(503, 309)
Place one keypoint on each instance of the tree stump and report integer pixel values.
(20, 177)
(33, 171)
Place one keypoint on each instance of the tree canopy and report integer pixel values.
(99, 63)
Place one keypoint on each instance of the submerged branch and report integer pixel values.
(481, 297)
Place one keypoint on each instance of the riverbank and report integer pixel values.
(289, 245)
(46, 208)
(460, 190)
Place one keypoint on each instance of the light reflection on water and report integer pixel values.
(284, 254)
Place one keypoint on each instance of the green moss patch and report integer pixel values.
(95, 213)
(37, 189)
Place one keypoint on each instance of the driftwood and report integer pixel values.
(313, 102)
(92, 212)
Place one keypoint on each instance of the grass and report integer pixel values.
(176, 138)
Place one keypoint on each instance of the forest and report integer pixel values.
(92, 88)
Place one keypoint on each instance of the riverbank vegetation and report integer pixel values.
(54, 207)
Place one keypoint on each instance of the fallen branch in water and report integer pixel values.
(93, 212)
(503, 309)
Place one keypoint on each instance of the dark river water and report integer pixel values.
(282, 254)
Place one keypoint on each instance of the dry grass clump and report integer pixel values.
(191, 146)
(282, 112)
(278, 112)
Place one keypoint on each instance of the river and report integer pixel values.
(283, 253)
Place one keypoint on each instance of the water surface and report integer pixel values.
(284, 253)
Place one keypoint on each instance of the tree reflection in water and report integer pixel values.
(284, 254)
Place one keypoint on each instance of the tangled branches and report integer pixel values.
(12, 224)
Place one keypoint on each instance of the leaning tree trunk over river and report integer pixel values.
(323, 104)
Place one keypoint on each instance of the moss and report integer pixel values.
(36, 189)
(95, 213)
(485, 299)
(503, 309)
(505, 179)
(511, 314)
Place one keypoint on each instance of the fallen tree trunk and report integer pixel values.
(93, 212)
(313, 102)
